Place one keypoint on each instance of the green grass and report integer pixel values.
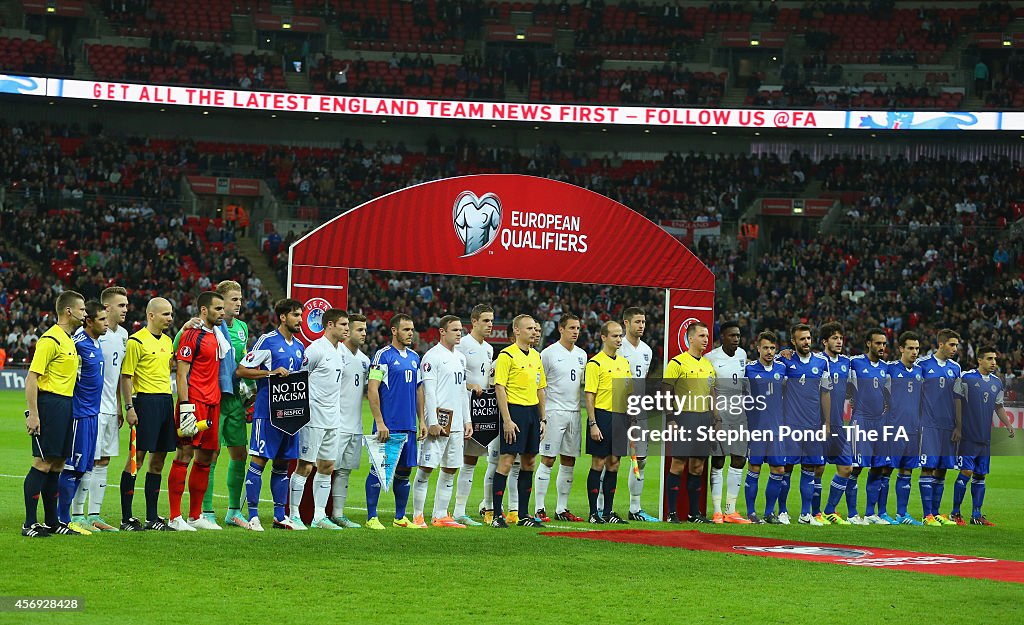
(451, 576)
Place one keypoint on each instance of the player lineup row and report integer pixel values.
(89, 375)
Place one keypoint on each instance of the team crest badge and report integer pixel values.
(477, 221)
(313, 317)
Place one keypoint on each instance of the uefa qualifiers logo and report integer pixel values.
(682, 340)
(477, 220)
(313, 317)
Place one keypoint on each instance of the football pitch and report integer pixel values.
(482, 574)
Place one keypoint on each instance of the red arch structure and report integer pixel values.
(502, 226)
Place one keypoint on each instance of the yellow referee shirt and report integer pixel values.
(521, 373)
(692, 380)
(610, 380)
(148, 360)
(56, 362)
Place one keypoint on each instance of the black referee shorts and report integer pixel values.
(695, 428)
(613, 435)
(527, 419)
(155, 431)
(54, 439)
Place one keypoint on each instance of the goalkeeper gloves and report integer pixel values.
(187, 427)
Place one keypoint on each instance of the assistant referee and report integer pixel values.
(146, 390)
(692, 378)
(48, 389)
(519, 384)
(609, 381)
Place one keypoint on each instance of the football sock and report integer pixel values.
(98, 488)
(977, 495)
(787, 477)
(236, 480)
(693, 493)
(672, 482)
(419, 492)
(525, 487)
(716, 489)
(959, 491)
(636, 486)
(198, 485)
(732, 488)
(902, 493)
(401, 487)
(279, 490)
(81, 495)
(600, 491)
(463, 487)
(67, 487)
(806, 490)
(924, 485)
(512, 486)
(835, 493)
(253, 486)
(594, 487)
(872, 493)
(852, 486)
(51, 489)
(339, 492)
(373, 487)
(772, 492)
(543, 481)
(750, 491)
(176, 487)
(207, 492)
(489, 484)
(443, 495)
(152, 495)
(938, 485)
(296, 488)
(127, 494)
(611, 479)
(883, 494)
(498, 493)
(33, 487)
(562, 487)
(321, 495)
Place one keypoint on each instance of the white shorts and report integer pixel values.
(108, 440)
(443, 451)
(350, 450)
(563, 435)
(318, 443)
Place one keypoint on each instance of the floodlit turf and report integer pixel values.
(481, 574)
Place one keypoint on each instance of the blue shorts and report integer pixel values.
(840, 451)
(906, 462)
(266, 441)
(937, 449)
(408, 457)
(83, 444)
(977, 464)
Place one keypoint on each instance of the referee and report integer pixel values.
(692, 379)
(48, 389)
(146, 388)
(519, 384)
(609, 380)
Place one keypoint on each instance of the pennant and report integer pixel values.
(384, 456)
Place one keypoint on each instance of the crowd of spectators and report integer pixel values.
(925, 243)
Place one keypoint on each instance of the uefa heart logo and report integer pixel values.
(682, 340)
(476, 220)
